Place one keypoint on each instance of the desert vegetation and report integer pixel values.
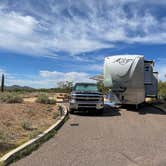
(10, 97)
(162, 90)
(44, 99)
(21, 120)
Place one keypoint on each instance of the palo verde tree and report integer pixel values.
(102, 88)
(65, 86)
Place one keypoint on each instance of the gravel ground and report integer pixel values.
(118, 138)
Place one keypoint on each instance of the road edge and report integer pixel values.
(34, 143)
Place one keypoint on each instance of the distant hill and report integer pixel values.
(13, 87)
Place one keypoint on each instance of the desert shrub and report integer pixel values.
(26, 125)
(49, 109)
(5, 142)
(10, 98)
(162, 90)
(55, 115)
(4, 137)
(44, 99)
(34, 134)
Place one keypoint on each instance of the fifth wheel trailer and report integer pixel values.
(130, 77)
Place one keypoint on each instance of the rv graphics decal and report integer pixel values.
(122, 61)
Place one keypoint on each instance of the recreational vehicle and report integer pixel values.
(130, 77)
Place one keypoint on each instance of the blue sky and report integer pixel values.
(43, 42)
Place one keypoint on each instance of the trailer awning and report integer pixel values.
(98, 77)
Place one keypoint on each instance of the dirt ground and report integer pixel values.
(21, 122)
(31, 97)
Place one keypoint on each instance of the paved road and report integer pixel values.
(124, 138)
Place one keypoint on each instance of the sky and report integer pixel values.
(43, 42)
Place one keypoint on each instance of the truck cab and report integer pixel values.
(86, 96)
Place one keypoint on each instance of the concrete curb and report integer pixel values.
(160, 108)
(31, 145)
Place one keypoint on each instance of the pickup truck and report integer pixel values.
(86, 96)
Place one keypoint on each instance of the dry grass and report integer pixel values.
(44, 99)
(31, 97)
(21, 122)
(9, 97)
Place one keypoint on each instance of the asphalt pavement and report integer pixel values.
(123, 137)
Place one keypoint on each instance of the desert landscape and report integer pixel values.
(23, 116)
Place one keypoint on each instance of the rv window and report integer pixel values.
(147, 68)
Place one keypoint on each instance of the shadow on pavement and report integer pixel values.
(108, 112)
(145, 109)
(151, 110)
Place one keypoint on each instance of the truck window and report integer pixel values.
(84, 87)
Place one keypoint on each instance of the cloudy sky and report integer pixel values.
(43, 42)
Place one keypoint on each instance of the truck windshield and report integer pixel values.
(86, 87)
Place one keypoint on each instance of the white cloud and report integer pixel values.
(45, 78)
(75, 46)
(96, 67)
(2, 71)
(17, 24)
(78, 26)
(19, 33)
(65, 76)
(162, 73)
(161, 68)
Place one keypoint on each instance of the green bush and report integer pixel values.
(26, 125)
(162, 90)
(10, 98)
(44, 99)
(2, 136)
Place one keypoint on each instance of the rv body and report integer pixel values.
(130, 78)
(150, 79)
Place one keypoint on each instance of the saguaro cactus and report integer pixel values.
(2, 83)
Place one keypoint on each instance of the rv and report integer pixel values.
(131, 78)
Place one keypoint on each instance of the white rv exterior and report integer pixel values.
(127, 78)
